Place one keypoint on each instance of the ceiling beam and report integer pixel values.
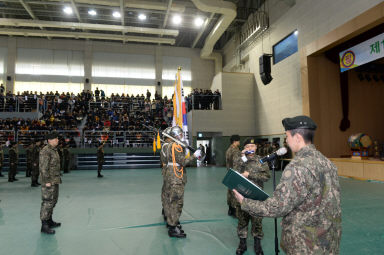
(122, 12)
(202, 30)
(30, 12)
(86, 26)
(77, 35)
(76, 10)
(167, 13)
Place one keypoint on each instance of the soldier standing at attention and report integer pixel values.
(66, 157)
(100, 159)
(13, 160)
(232, 154)
(28, 153)
(176, 178)
(164, 162)
(250, 167)
(1, 159)
(35, 163)
(49, 164)
(307, 197)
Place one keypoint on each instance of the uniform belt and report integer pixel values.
(171, 164)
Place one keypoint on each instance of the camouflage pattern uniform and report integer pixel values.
(164, 163)
(49, 164)
(175, 182)
(100, 159)
(1, 159)
(258, 174)
(28, 152)
(66, 158)
(13, 161)
(231, 155)
(35, 163)
(308, 199)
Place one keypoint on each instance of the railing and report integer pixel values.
(204, 102)
(118, 138)
(26, 136)
(7, 135)
(19, 103)
(99, 105)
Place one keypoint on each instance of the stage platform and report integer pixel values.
(370, 169)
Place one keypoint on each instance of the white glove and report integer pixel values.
(197, 153)
(244, 158)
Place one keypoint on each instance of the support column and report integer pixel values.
(159, 69)
(11, 65)
(88, 66)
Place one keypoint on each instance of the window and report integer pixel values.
(124, 89)
(3, 58)
(21, 86)
(285, 47)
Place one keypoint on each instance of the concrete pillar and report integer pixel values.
(159, 69)
(88, 66)
(11, 65)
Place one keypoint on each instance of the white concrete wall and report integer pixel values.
(313, 19)
(203, 71)
(237, 115)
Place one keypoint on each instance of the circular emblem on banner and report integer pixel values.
(348, 59)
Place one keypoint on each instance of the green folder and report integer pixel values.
(235, 180)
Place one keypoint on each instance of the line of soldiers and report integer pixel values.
(247, 163)
(174, 162)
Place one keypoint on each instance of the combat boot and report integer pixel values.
(45, 228)
(34, 184)
(99, 175)
(242, 246)
(53, 224)
(38, 183)
(176, 232)
(258, 249)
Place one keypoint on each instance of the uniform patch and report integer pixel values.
(287, 174)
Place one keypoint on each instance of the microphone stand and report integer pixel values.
(273, 164)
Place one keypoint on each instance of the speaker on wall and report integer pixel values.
(265, 68)
(158, 83)
(9, 78)
(86, 80)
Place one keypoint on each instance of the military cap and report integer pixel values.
(301, 121)
(234, 138)
(249, 140)
(52, 135)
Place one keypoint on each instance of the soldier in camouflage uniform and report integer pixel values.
(1, 159)
(66, 157)
(100, 159)
(35, 163)
(307, 197)
(13, 161)
(250, 167)
(164, 163)
(49, 164)
(231, 155)
(28, 154)
(176, 178)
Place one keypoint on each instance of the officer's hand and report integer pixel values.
(35, 164)
(245, 174)
(197, 153)
(243, 151)
(48, 185)
(238, 196)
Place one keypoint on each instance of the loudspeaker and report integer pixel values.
(86, 80)
(9, 78)
(158, 83)
(265, 68)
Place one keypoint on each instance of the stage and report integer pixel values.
(370, 169)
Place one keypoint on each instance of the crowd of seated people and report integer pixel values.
(201, 99)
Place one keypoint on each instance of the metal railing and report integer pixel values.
(204, 102)
(118, 138)
(99, 105)
(7, 135)
(19, 103)
(26, 136)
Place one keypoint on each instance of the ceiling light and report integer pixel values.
(142, 17)
(92, 12)
(199, 22)
(116, 14)
(68, 10)
(296, 33)
(176, 19)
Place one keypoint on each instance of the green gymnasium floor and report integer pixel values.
(121, 214)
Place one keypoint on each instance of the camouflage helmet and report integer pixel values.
(176, 132)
